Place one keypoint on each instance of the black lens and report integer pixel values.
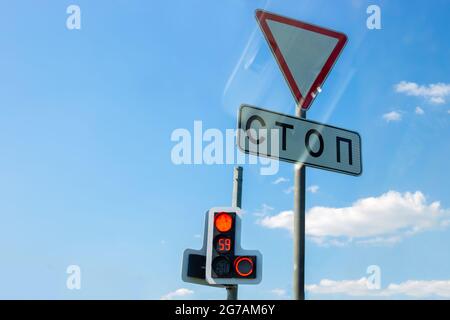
(221, 267)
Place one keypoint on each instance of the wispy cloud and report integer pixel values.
(263, 211)
(280, 180)
(289, 190)
(434, 93)
(419, 111)
(179, 293)
(279, 292)
(383, 220)
(392, 116)
(360, 288)
(357, 287)
(313, 188)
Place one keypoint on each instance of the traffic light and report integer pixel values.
(226, 262)
(194, 261)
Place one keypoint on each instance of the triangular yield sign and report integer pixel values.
(305, 53)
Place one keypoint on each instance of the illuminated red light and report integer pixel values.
(243, 266)
(223, 222)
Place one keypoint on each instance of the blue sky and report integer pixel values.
(86, 172)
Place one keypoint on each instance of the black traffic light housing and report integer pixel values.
(226, 262)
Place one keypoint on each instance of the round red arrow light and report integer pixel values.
(243, 266)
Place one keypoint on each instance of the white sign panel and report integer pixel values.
(287, 138)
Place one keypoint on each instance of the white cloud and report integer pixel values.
(289, 190)
(280, 180)
(349, 287)
(434, 93)
(283, 220)
(179, 293)
(313, 188)
(389, 214)
(437, 100)
(419, 111)
(420, 289)
(445, 223)
(369, 221)
(381, 241)
(392, 116)
(279, 292)
(360, 288)
(264, 211)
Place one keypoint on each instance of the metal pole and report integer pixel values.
(232, 290)
(237, 187)
(299, 226)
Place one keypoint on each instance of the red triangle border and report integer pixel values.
(304, 101)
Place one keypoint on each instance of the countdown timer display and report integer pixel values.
(223, 244)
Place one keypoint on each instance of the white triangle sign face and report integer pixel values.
(305, 53)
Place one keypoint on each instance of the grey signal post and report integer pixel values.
(295, 148)
(299, 224)
(232, 290)
(294, 45)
